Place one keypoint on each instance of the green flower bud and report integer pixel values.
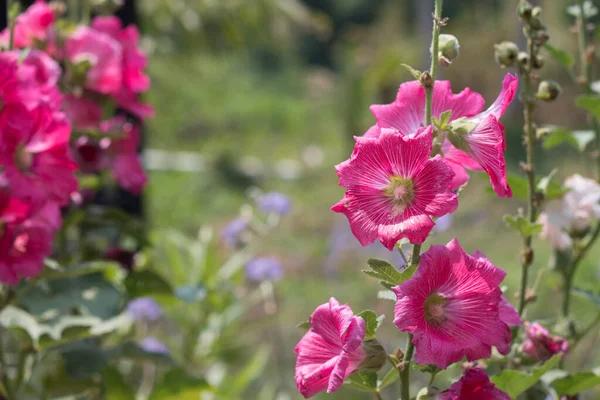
(548, 90)
(506, 53)
(525, 10)
(448, 47)
(536, 12)
(523, 58)
(538, 61)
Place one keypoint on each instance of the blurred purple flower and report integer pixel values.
(153, 345)
(442, 224)
(233, 232)
(264, 269)
(274, 202)
(144, 309)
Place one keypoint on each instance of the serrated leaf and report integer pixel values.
(515, 382)
(389, 378)
(371, 323)
(386, 295)
(590, 103)
(386, 285)
(363, 381)
(563, 57)
(574, 384)
(304, 325)
(522, 225)
(594, 298)
(388, 273)
(445, 117)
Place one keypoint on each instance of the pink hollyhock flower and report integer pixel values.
(126, 164)
(96, 60)
(83, 112)
(482, 138)
(454, 307)
(91, 155)
(36, 161)
(540, 345)
(24, 241)
(13, 113)
(33, 27)
(331, 350)
(475, 384)
(394, 188)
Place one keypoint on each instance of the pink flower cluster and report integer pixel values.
(52, 95)
(401, 176)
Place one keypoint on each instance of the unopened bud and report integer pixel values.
(449, 47)
(399, 353)
(536, 12)
(542, 37)
(506, 53)
(426, 80)
(538, 61)
(525, 10)
(548, 90)
(523, 59)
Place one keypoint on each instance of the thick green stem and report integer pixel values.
(435, 36)
(10, 395)
(405, 373)
(85, 12)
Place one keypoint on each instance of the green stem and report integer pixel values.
(85, 12)
(12, 10)
(529, 103)
(10, 395)
(378, 396)
(435, 36)
(405, 373)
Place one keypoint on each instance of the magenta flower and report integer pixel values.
(38, 76)
(24, 241)
(394, 188)
(540, 345)
(407, 113)
(475, 384)
(454, 307)
(331, 350)
(96, 60)
(33, 26)
(482, 138)
(36, 161)
(82, 112)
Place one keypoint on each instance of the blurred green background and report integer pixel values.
(268, 93)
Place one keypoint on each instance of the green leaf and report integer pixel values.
(594, 298)
(590, 103)
(177, 384)
(522, 225)
(556, 136)
(386, 295)
(149, 283)
(387, 273)
(389, 378)
(550, 189)
(573, 384)
(363, 381)
(372, 322)
(115, 386)
(516, 382)
(563, 57)
(427, 368)
(83, 359)
(518, 185)
(106, 267)
(304, 325)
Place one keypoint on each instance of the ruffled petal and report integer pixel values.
(463, 104)
(406, 113)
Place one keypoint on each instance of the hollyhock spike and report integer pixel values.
(393, 188)
(453, 307)
(331, 350)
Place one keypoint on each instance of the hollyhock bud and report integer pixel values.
(474, 384)
(548, 90)
(331, 350)
(431, 307)
(525, 10)
(538, 61)
(506, 53)
(540, 345)
(449, 48)
(523, 59)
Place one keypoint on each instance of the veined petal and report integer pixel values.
(406, 113)
(464, 104)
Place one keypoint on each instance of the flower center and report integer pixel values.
(23, 158)
(400, 191)
(434, 309)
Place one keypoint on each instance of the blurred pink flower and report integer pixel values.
(331, 350)
(36, 161)
(83, 112)
(540, 345)
(394, 188)
(125, 161)
(454, 307)
(475, 384)
(103, 56)
(32, 27)
(482, 138)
